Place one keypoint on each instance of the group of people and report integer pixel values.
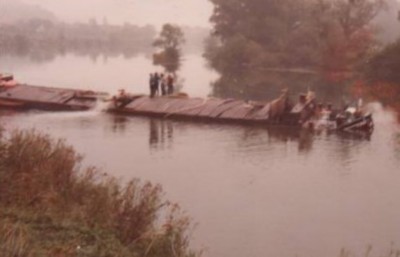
(161, 84)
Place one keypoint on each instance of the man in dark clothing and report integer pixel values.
(151, 85)
(170, 84)
(156, 83)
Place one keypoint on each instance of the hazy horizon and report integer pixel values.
(152, 12)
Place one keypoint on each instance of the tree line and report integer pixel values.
(335, 40)
(37, 35)
(328, 35)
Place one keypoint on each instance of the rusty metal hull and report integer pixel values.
(46, 98)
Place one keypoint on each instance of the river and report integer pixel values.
(252, 191)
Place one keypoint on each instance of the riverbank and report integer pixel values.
(51, 206)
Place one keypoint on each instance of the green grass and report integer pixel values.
(51, 206)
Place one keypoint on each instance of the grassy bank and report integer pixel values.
(51, 206)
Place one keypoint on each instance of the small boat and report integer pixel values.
(354, 120)
(349, 120)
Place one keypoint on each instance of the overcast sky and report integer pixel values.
(157, 12)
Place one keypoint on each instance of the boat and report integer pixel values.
(354, 120)
(22, 96)
(281, 111)
(350, 119)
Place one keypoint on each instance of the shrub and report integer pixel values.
(52, 206)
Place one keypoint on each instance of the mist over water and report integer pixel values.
(107, 74)
(154, 12)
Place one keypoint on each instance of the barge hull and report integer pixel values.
(46, 98)
(197, 109)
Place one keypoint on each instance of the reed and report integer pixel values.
(52, 206)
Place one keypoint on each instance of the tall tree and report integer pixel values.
(259, 32)
(346, 33)
(292, 33)
(384, 66)
(169, 41)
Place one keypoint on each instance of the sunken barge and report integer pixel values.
(214, 109)
(21, 96)
(305, 113)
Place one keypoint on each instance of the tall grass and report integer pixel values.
(51, 206)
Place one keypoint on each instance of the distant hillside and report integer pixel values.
(12, 11)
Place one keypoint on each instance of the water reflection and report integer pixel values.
(248, 138)
(118, 123)
(265, 84)
(161, 133)
(272, 135)
(279, 182)
(42, 40)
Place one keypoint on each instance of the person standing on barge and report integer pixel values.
(170, 84)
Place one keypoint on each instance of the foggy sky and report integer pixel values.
(141, 12)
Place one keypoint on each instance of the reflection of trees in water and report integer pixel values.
(265, 85)
(248, 138)
(304, 138)
(169, 59)
(43, 40)
(42, 54)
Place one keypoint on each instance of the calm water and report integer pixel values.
(253, 191)
(106, 74)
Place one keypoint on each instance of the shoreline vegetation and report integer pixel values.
(52, 206)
